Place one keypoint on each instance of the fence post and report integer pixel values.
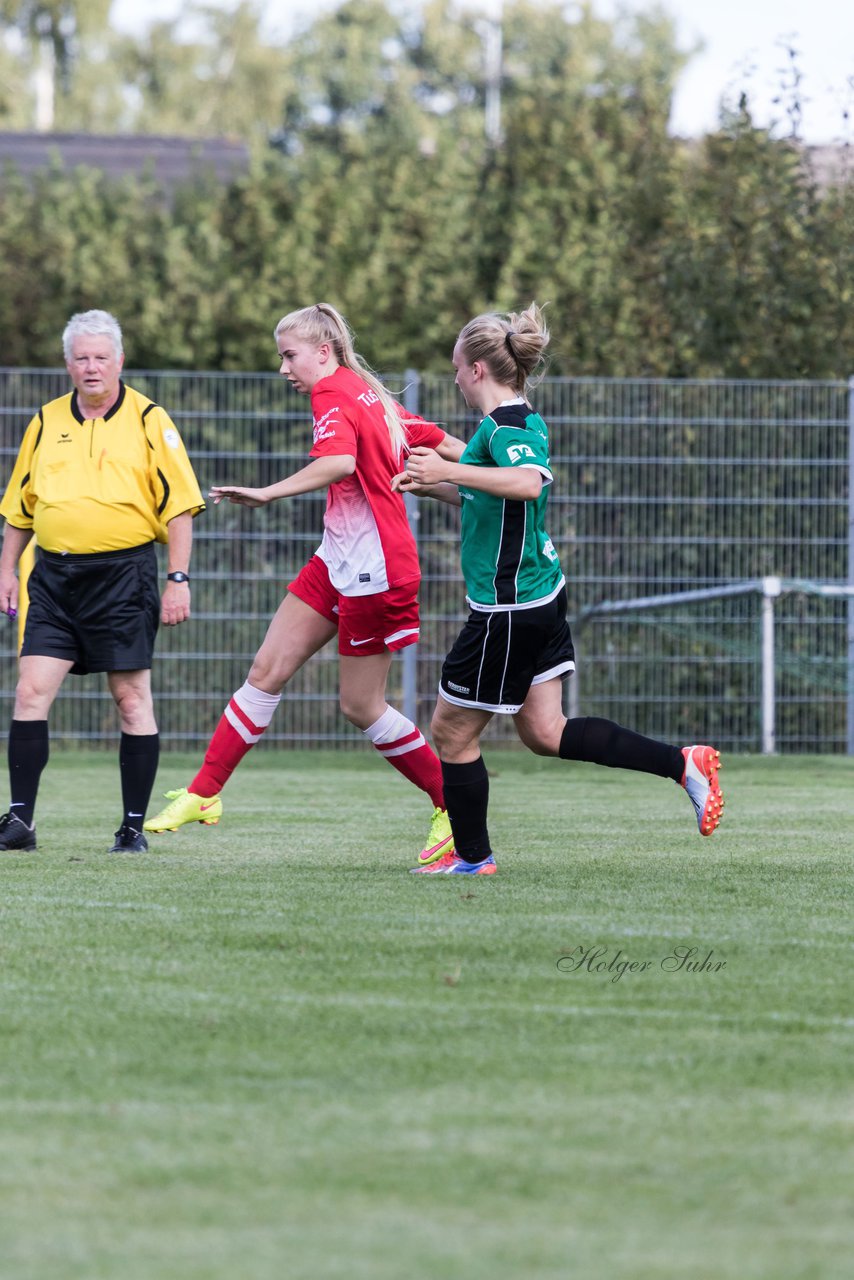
(850, 717)
(411, 401)
(771, 588)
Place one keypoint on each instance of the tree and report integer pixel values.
(56, 33)
(385, 196)
(578, 196)
(743, 256)
(226, 80)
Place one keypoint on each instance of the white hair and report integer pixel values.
(93, 324)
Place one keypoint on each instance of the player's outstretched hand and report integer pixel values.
(405, 483)
(424, 467)
(237, 493)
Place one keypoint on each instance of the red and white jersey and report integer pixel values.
(367, 542)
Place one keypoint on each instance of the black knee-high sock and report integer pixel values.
(466, 789)
(29, 748)
(139, 756)
(604, 742)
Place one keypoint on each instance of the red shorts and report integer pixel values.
(366, 624)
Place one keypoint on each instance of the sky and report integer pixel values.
(746, 43)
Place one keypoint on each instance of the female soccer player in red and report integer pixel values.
(361, 584)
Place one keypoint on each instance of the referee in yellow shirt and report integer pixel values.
(101, 475)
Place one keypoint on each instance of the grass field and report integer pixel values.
(266, 1051)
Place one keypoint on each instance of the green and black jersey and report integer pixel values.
(508, 559)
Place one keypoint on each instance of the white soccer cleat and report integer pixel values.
(700, 780)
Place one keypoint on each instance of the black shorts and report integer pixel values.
(99, 611)
(498, 656)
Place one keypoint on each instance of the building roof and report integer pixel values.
(831, 165)
(171, 161)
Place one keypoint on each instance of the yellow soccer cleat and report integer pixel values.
(185, 807)
(440, 839)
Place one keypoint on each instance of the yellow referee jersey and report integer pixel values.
(100, 484)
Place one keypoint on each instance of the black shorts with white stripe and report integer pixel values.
(498, 656)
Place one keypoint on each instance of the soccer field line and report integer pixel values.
(179, 998)
(575, 1010)
(66, 900)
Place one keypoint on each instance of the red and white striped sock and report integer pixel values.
(240, 726)
(403, 745)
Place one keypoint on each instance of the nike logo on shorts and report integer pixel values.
(356, 643)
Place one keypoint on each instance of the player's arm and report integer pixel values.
(426, 467)
(448, 493)
(451, 448)
(429, 434)
(14, 542)
(319, 474)
(175, 601)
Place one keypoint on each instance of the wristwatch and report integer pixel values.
(178, 577)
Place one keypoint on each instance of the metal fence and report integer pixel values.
(661, 487)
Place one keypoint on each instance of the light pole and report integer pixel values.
(491, 32)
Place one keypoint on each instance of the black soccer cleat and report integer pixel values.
(129, 840)
(15, 834)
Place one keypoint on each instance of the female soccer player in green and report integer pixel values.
(515, 649)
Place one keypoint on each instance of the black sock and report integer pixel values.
(466, 799)
(139, 756)
(29, 748)
(604, 742)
